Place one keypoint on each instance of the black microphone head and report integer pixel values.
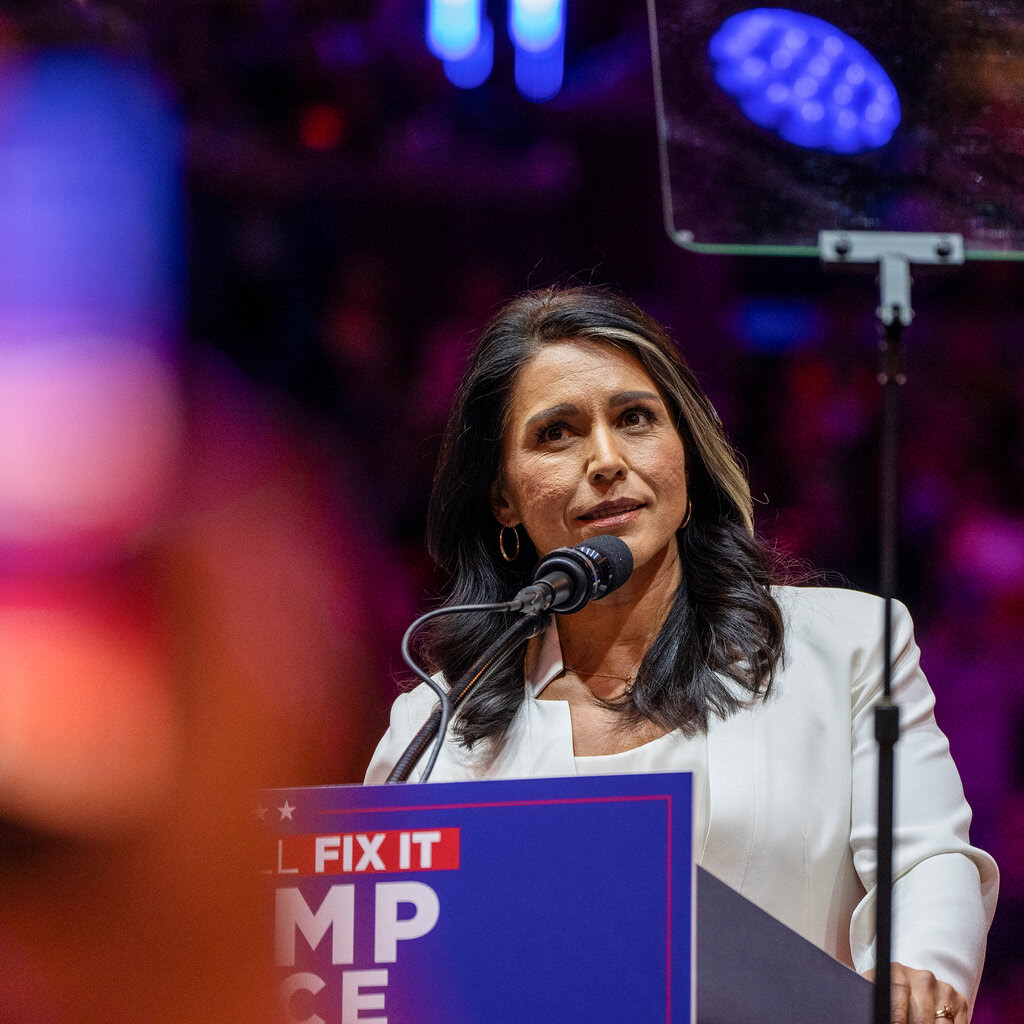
(596, 567)
(613, 559)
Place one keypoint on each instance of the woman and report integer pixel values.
(577, 417)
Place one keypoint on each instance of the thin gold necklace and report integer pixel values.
(628, 680)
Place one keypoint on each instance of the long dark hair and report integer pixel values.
(722, 639)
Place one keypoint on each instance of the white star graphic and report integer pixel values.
(261, 813)
(286, 811)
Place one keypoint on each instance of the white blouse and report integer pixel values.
(672, 752)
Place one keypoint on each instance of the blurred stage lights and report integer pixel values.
(461, 35)
(805, 80)
(90, 304)
(536, 25)
(453, 28)
(475, 67)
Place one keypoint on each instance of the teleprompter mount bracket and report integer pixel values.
(893, 252)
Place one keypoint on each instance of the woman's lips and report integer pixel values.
(615, 518)
(613, 513)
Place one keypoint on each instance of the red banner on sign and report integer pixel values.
(357, 853)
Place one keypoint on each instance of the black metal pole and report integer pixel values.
(887, 716)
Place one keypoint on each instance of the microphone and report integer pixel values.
(567, 579)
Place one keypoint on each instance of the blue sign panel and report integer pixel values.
(540, 900)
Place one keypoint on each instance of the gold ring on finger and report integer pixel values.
(946, 1011)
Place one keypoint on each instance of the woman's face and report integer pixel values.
(590, 448)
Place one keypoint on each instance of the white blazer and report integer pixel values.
(792, 791)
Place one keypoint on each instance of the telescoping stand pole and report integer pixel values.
(893, 253)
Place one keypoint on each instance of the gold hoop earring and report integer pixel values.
(686, 518)
(501, 543)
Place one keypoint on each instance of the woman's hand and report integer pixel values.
(918, 997)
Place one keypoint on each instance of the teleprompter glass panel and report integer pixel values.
(777, 123)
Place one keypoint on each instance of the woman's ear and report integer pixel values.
(504, 509)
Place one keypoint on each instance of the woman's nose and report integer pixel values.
(606, 461)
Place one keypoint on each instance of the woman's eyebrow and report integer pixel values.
(563, 409)
(568, 409)
(625, 397)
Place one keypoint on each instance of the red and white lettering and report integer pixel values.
(369, 853)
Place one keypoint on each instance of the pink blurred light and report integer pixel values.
(90, 439)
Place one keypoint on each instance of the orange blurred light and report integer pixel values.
(88, 724)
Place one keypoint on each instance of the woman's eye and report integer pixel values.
(637, 417)
(551, 432)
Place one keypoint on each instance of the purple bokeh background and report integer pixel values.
(353, 219)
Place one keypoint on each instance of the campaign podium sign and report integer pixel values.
(540, 900)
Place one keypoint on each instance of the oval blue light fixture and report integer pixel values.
(805, 80)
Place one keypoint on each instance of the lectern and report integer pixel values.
(537, 900)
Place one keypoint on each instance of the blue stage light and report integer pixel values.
(539, 73)
(453, 27)
(536, 25)
(475, 68)
(806, 80)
